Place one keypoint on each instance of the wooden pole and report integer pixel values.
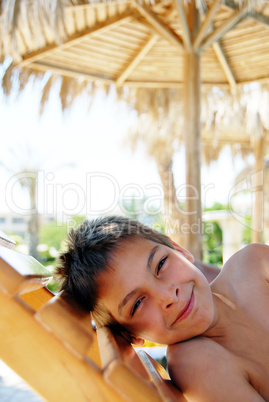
(257, 187)
(192, 137)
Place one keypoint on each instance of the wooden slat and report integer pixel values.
(69, 322)
(93, 352)
(132, 387)
(136, 60)
(96, 66)
(44, 362)
(34, 56)
(118, 373)
(123, 38)
(122, 366)
(253, 41)
(85, 55)
(6, 241)
(157, 373)
(95, 46)
(36, 299)
(107, 46)
(94, 61)
(133, 31)
(116, 39)
(21, 273)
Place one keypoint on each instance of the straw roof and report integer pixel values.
(142, 46)
(139, 44)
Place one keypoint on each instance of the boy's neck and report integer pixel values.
(224, 309)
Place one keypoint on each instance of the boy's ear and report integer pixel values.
(183, 251)
(132, 339)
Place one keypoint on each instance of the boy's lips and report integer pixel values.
(184, 313)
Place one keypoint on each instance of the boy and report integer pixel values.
(137, 281)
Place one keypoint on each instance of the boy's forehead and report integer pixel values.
(138, 247)
(126, 256)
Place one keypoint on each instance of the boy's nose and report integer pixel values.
(169, 296)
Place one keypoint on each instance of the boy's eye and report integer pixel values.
(136, 305)
(160, 265)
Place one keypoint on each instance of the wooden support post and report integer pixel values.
(257, 187)
(192, 137)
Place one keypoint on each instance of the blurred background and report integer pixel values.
(156, 110)
(83, 136)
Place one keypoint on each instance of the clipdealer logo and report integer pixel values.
(247, 198)
(100, 194)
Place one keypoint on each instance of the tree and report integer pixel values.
(24, 161)
(158, 127)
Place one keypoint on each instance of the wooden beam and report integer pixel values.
(262, 19)
(70, 73)
(230, 4)
(162, 29)
(257, 183)
(38, 357)
(224, 64)
(207, 24)
(219, 32)
(94, 5)
(184, 25)
(74, 39)
(140, 55)
(192, 228)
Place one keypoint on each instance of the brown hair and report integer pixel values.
(90, 251)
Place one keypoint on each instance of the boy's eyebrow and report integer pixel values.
(129, 295)
(151, 256)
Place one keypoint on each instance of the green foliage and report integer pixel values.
(247, 230)
(53, 234)
(217, 206)
(17, 238)
(52, 241)
(212, 238)
(212, 242)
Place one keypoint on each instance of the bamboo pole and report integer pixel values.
(257, 187)
(192, 137)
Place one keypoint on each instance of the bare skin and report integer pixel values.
(218, 335)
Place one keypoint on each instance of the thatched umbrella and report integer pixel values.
(160, 44)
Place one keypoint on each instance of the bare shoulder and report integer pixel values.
(191, 356)
(206, 371)
(252, 259)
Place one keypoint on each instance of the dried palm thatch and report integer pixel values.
(137, 43)
(145, 44)
(92, 45)
(42, 19)
(229, 119)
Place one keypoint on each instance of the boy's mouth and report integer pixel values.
(184, 313)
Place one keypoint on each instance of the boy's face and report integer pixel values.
(156, 293)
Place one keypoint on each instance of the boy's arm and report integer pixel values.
(206, 372)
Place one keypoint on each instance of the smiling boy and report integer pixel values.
(135, 280)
